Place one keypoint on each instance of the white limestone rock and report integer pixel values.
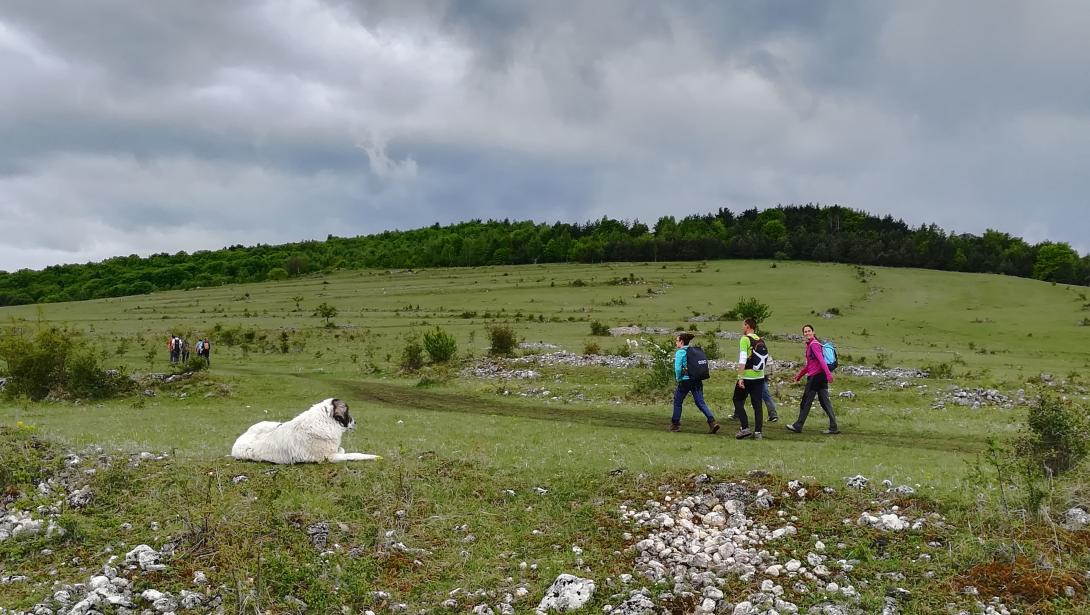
(567, 593)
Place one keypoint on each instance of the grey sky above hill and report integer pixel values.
(140, 127)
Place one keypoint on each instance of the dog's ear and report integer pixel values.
(339, 412)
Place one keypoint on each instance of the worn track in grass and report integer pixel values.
(397, 395)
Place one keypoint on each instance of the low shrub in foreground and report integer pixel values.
(440, 345)
(502, 341)
(58, 362)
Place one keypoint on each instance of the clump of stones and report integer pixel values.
(692, 548)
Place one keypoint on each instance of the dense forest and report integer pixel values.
(810, 232)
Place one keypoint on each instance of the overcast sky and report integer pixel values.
(129, 126)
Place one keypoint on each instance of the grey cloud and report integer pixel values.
(270, 121)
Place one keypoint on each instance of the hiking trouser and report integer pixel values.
(816, 386)
(766, 397)
(696, 387)
(754, 390)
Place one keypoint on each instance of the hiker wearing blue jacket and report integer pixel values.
(687, 385)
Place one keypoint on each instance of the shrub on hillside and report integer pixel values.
(659, 376)
(939, 370)
(193, 365)
(412, 355)
(58, 362)
(749, 307)
(711, 347)
(597, 328)
(501, 340)
(440, 345)
(1051, 444)
(1055, 440)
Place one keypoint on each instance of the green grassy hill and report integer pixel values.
(1013, 327)
(454, 442)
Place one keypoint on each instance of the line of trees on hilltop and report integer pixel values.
(810, 233)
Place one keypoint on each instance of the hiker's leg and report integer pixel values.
(739, 400)
(755, 389)
(679, 396)
(766, 396)
(698, 397)
(804, 405)
(827, 406)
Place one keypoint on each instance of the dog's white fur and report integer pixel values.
(313, 436)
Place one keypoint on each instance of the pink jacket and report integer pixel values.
(815, 362)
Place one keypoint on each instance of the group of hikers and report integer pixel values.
(691, 368)
(178, 348)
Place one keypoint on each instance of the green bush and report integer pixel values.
(711, 347)
(501, 340)
(326, 311)
(1055, 440)
(749, 307)
(659, 377)
(194, 364)
(440, 345)
(592, 348)
(939, 370)
(59, 362)
(412, 355)
(86, 380)
(597, 328)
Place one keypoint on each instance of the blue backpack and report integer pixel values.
(828, 351)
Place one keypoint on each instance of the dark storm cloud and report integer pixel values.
(146, 127)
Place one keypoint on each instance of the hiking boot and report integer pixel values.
(758, 435)
(830, 432)
(675, 427)
(773, 418)
(713, 427)
(743, 433)
(793, 427)
(733, 417)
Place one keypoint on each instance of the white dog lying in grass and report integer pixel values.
(313, 436)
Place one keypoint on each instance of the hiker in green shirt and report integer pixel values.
(752, 355)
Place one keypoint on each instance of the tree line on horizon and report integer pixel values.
(804, 232)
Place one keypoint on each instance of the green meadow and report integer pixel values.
(534, 466)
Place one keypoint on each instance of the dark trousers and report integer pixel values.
(754, 390)
(696, 387)
(816, 386)
(766, 397)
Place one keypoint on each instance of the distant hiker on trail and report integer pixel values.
(752, 354)
(185, 351)
(690, 379)
(204, 349)
(174, 345)
(818, 378)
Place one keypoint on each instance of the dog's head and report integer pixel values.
(338, 411)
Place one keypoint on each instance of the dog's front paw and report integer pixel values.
(354, 457)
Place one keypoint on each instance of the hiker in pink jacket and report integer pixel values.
(818, 378)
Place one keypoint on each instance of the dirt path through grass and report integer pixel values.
(397, 395)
